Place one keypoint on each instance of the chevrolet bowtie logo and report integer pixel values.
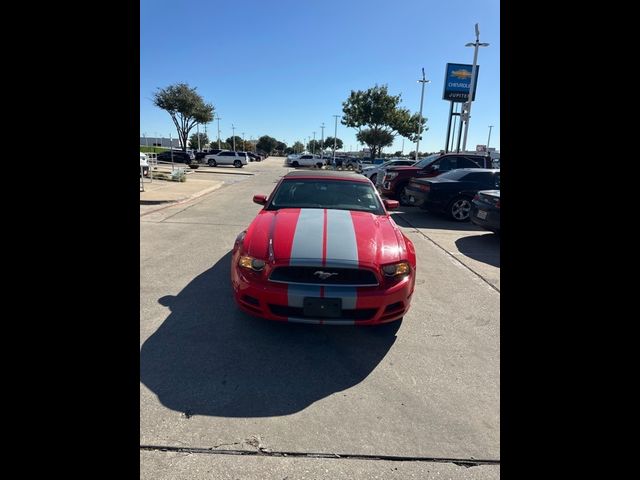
(462, 74)
(324, 275)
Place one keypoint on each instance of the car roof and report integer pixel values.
(328, 174)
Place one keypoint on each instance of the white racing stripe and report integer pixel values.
(342, 251)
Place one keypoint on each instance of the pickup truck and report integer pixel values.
(396, 179)
(306, 160)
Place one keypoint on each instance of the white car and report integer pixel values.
(227, 157)
(306, 160)
(375, 173)
(144, 164)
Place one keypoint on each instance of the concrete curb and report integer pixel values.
(172, 203)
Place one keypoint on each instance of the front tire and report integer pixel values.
(460, 209)
(237, 163)
(212, 163)
(404, 197)
(295, 164)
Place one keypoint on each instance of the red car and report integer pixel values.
(324, 250)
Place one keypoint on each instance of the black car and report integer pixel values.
(178, 156)
(485, 210)
(253, 157)
(452, 192)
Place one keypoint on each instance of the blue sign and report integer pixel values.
(457, 82)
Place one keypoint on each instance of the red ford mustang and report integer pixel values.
(324, 250)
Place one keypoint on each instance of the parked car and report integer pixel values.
(144, 164)
(254, 157)
(325, 250)
(227, 157)
(178, 156)
(397, 178)
(452, 192)
(306, 160)
(485, 210)
(375, 173)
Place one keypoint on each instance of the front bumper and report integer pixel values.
(283, 302)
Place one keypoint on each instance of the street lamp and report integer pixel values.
(218, 118)
(322, 141)
(243, 145)
(313, 145)
(233, 136)
(335, 135)
(489, 139)
(467, 113)
(423, 81)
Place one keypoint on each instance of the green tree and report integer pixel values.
(281, 146)
(223, 145)
(298, 147)
(186, 108)
(328, 143)
(238, 142)
(379, 118)
(193, 140)
(313, 146)
(267, 144)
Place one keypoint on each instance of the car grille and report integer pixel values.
(356, 314)
(355, 277)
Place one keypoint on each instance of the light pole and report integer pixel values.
(322, 142)
(335, 136)
(467, 113)
(198, 134)
(313, 145)
(489, 139)
(218, 118)
(423, 81)
(243, 145)
(233, 136)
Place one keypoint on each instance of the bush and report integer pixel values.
(179, 175)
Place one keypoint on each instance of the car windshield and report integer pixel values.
(426, 161)
(320, 193)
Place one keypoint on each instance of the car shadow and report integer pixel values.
(416, 217)
(208, 358)
(483, 248)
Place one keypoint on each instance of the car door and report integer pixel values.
(226, 158)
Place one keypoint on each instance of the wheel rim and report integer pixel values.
(404, 198)
(460, 209)
(237, 163)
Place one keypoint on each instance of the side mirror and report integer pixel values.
(391, 204)
(260, 199)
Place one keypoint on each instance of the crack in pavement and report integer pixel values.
(417, 230)
(463, 462)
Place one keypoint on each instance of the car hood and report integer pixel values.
(324, 237)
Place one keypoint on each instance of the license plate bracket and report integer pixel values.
(482, 214)
(322, 307)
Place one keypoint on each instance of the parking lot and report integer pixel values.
(412, 399)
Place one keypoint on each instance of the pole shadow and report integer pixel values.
(209, 358)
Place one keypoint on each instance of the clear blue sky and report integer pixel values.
(283, 67)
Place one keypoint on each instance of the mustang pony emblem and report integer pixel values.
(324, 275)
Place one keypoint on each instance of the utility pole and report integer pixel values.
(313, 146)
(218, 118)
(198, 134)
(335, 136)
(423, 81)
(243, 145)
(489, 139)
(233, 136)
(467, 113)
(322, 142)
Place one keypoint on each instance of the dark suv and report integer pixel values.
(397, 178)
(178, 156)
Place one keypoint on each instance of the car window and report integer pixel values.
(226, 154)
(335, 194)
(486, 178)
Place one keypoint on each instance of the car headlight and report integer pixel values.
(396, 269)
(251, 263)
(391, 175)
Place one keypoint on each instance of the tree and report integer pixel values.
(267, 144)
(281, 146)
(298, 147)
(239, 146)
(186, 108)
(193, 140)
(381, 116)
(223, 145)
(397, 154)
(313, 146)
(328, 143)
